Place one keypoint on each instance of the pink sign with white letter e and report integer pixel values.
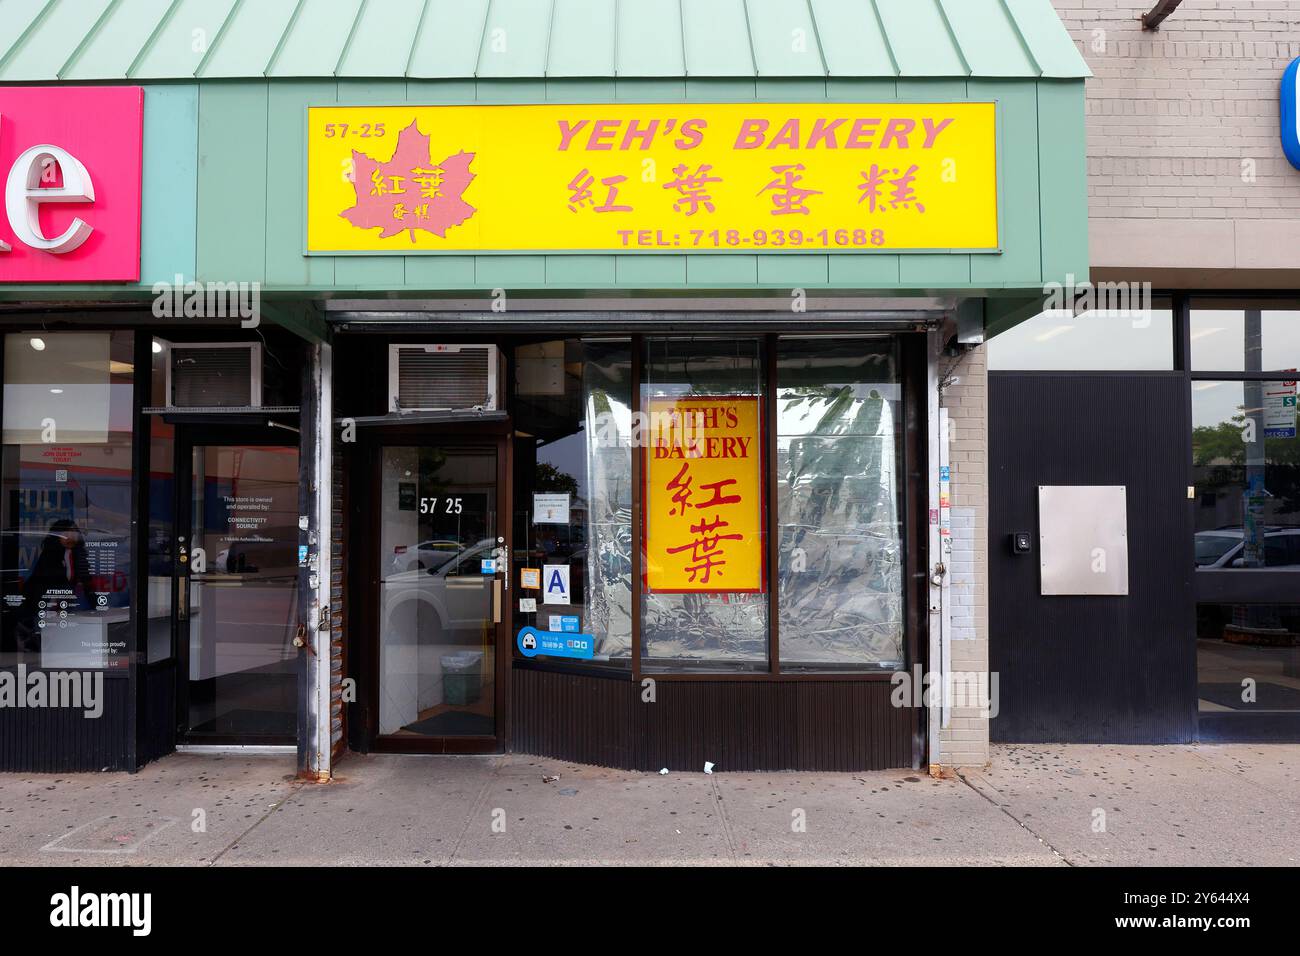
(70, 180)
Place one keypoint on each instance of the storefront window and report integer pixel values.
(1140, 339)
(1248, 658)
(66, 509)
(162, 497)
(702, 433)
(1246, 458)
(1233, 337)
(573, 489)
(839, 462)
(704, 604)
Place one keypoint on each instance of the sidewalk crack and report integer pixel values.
(475, 809)
(722, 817)
(293, 792)
(1020, 823)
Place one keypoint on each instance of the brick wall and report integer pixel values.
(1185, 165)
(965, 742)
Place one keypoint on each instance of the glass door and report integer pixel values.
(441, 581)
(237, 593)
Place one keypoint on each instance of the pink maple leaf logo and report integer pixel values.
(410, 191)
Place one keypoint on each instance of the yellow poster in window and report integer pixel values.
(703, 498)
(679, 178)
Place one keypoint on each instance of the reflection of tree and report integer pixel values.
(548, 478)
(839, 509)
(431, 462)
(846, 443)
(1220, 452)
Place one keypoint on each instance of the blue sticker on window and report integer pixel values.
(1291, 112)
(532, 642)
(488, 566)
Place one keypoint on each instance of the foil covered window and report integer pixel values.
(607, 397)
(839, 460)
(706, 629)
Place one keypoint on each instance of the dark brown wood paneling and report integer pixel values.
(752, 725)
(573, 717)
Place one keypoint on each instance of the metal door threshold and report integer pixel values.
(242, 750)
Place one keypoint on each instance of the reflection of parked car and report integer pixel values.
(457, 591)
(1224, 547)
(425, 556)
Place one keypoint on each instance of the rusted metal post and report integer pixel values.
(1157, 15)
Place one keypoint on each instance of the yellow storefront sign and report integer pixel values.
(703, 501)
(774, 177)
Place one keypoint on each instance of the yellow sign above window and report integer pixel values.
(679, 178)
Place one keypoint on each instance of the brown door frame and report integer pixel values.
(364, 620)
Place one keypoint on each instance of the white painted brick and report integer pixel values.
(1172, 113)
(965, 742)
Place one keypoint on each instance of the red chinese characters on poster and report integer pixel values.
(704, 495)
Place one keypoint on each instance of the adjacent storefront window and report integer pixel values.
(1246, 461)
(1245, 449)
(1118, 340)
(839, 461)
(1231, 336)
(1248, 659)
(66, 502)
(162, 496)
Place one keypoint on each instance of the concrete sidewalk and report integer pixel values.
(1040, 805)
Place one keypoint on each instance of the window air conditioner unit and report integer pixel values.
(214, 375)
(438, 378)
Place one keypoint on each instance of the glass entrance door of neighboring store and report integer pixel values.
(236, 599)
(441, 583)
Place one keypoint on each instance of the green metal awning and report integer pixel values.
(114, 40)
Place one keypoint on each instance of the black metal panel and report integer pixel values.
(62, 740)
(746, 725)
(1092, 669)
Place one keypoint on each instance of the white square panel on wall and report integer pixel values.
(1083, 539)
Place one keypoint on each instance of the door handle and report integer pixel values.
(182, 598)
(496, 600)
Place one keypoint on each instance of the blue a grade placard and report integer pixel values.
(532, 642)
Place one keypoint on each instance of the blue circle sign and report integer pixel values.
(1291, 112)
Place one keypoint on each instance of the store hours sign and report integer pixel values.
(730, 177)
(703, 499)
